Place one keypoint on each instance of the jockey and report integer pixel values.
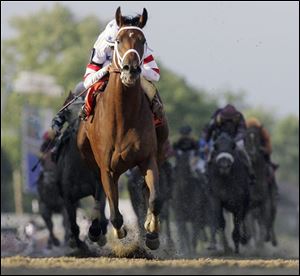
(46, 146)
(266, 146)
(186, 142)
(232, 122)
(95, 76)
(100, 62)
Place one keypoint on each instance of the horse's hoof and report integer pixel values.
(228, 250)
(244, 240)
(102, 240)
(72, 243)
(82, 246)
(152, 241)
(274, 242)
(56, 242)
(49, 246)
(120, 233)
(212, 247)
(93, 238)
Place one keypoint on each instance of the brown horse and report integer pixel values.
(121, 134)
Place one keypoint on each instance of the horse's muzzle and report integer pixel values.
(130, 74)
(224, 165)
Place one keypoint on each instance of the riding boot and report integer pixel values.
(83, 115)
(54, 150)
(153, 96)
(247, 162)
(157, 107)
(272, 164)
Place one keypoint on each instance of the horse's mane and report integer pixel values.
(224, 135)
(131, 20)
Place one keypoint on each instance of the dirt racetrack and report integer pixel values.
(109, 266)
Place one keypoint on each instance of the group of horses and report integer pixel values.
(119, 136)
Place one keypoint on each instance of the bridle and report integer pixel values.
(119, 64)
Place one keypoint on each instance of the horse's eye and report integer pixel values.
(118, 41)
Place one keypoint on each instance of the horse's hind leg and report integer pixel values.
(110, 185)
(152, 225)
(74, 237)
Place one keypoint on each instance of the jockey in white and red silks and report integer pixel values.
(101, 59)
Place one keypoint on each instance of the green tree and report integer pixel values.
(53, 42)
(183, 103)
(265, 116)
(286, 148)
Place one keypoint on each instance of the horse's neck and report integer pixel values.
(126, 103)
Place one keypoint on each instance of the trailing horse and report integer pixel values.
(121, 133)
(262, 194)
(77, 180)
(189, 203)
(137, 191)
(229, 189)
(47, 185)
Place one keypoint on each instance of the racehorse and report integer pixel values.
(229, 190)
(47, 185)
(77, 180)
(137, 192)
(263, 203)
(121, 134)
(189, 203)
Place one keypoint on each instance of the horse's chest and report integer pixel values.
(130, 154)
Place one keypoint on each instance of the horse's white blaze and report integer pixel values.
(120, 59)
(225, 155)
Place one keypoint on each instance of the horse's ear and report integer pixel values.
(143, 19)
(119, 17)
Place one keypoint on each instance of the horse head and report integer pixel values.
(130, 46)
(252, 142)
(185, 162)
(71, 112)
(224, 152)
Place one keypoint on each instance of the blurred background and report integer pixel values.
(210, 54)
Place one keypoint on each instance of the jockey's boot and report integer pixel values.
(152, 94)
(247, 162)
(89, 98)
(270, 162)
(83, 115)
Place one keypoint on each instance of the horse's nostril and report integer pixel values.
(126, 68)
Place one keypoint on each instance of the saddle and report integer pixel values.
(99, 88)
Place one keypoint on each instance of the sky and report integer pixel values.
(249, 46)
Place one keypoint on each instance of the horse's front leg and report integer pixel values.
(110, 185)
(98, 228)
(152, 225)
